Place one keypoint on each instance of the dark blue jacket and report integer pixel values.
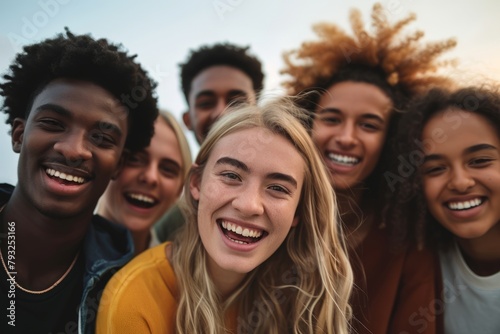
(107, 248)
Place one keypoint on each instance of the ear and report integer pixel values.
(195, 183)
(295, 221)
(187, 120)
(121, 164)
(17, 134)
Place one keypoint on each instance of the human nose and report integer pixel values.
(74, 147)
(249, 201)
(461, 180)
(149, 175)
(346, 135)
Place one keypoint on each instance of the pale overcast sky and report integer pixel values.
(162, 32)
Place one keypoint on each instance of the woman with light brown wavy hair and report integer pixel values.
(358, 85)
(260, 251)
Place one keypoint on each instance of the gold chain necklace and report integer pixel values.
(39, 292)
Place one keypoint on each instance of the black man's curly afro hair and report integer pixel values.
(81, 57)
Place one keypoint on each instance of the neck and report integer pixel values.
(356, 215)
(225, 281)
(141, 240)
(45, 246)
(482, 255)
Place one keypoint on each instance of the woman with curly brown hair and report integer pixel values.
(452, 139)
(355, 87)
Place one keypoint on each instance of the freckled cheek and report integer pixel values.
(282, 217)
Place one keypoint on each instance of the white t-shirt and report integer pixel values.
(471, 302)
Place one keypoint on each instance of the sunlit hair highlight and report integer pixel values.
(304, 287)
(403, 64)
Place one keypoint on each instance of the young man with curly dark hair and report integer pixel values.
(212, 78)
(74, 105)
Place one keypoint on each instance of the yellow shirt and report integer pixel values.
(142, 298)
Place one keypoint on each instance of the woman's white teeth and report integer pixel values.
(465, 204)
(240, 230)
(142, 198)
(238, 241)
(343, 159)
(64, 176)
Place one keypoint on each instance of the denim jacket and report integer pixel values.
(107, 248)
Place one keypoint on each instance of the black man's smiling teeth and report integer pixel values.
(64, 176)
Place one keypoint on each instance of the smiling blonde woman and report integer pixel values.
(260, 252)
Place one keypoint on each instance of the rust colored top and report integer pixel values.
(395, 291)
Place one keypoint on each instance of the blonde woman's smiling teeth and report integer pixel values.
(243, 231)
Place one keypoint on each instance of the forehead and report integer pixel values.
(81, 98)
(351, 96)
(454, 129)
(220, 79)
(164, 143)
(262, 151)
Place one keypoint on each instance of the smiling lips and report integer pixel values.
(343, 159)
(64, 176)
(140, 200)
(464, 205)
(239, 234)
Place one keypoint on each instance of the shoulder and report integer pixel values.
(6, 191)
(143, 293)
(149, 270)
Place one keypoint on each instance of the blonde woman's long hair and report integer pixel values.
(304, 287)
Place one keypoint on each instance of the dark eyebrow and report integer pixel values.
(479, 147)
(54, 108)
(240, 165)
(102, 125)
(365, 116)
(205, 93)
(231, 93)
(237, 92)
(233, 162)
(468, 150)
(432, 157)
